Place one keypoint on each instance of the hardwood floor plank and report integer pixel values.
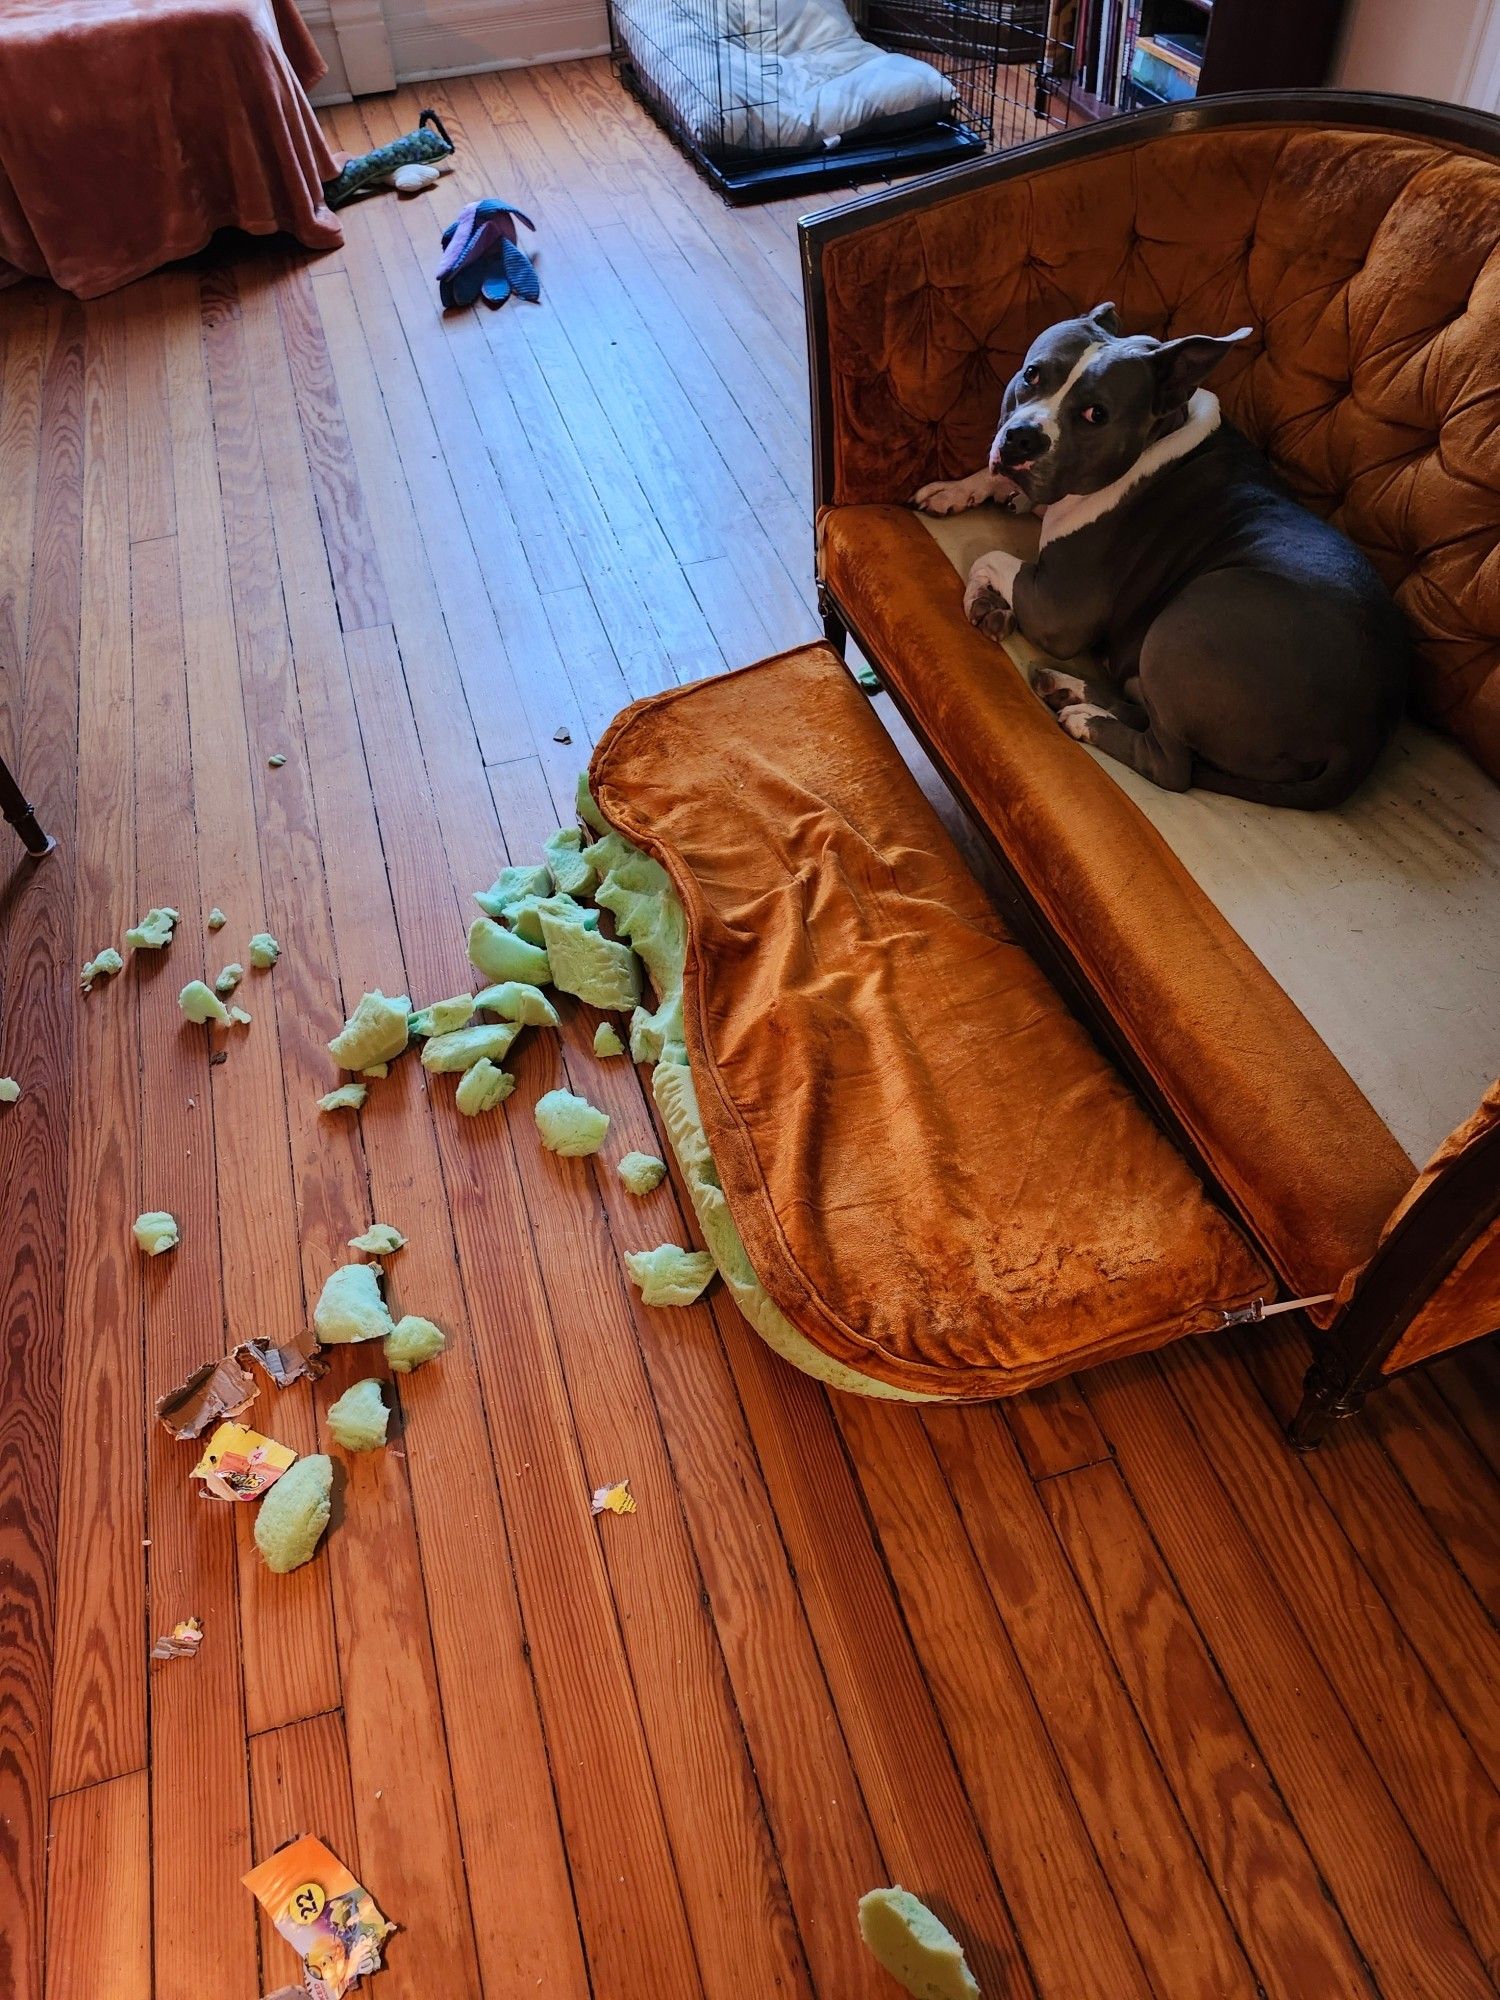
(1054, 1429)
(99, 1670)
(1455, 1488)
(1468, 1380)
(1282, 1909)
(153, 496)
(36, 905)
(99, 1891)
(1402, 1923)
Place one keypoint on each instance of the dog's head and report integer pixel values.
(1088, 400)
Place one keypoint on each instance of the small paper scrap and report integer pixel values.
(181, 1643)
(217, 1390)
(617, 1499)
(241, 1465)
(286, 1361)
(330, 1920)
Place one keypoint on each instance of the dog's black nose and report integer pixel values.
(1021, 443)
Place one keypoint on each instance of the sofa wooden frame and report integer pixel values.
(1459, 1205)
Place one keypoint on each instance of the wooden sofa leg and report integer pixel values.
(835, 631)
(17, 810)
(1325, 1401)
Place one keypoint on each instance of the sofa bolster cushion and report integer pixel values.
(1293, 1141)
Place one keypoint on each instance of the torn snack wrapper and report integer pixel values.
(217, 1390)
(181, 1643)
(616, 1499)
(238, 1464)
(287, 1361)
(330, 1920)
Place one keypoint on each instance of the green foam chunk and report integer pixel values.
(482, 1087)
(601, 972)
(413, 1342)
(570, 869)
(289, 1522)
(276, 760)
(381, 1239)
(515, 1001)
(238, 1015)
(669, 1275)
(512, 886)
(200, 1003)
(500, 954)
(377, 1070)
(443, 1016)
(606, 1041)
(528, 917)
(155, 1231)
(348, 1097)
(914, 1947)
(375, 1032)
(588, 812)
(351, 1308)
(443, 1054)
(358, 1419)
(228, 979)
(153, 932)
(641, 1172)
(264, 951)
(569, 1125)
(107, 963)
(216, 919)
(10, 1090)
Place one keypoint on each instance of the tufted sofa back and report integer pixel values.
(1368, 264)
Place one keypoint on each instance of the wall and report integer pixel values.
(369, 45)
(1447, 49)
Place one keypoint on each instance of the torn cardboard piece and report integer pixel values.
(240, 1464)
(181, 1643)
(331, 1921)
(287, 1361)
(616, 1499)
(217, 1390)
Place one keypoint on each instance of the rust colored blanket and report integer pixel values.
(937, 1177)
(130, 130)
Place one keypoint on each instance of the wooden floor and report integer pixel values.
(1145, 1704)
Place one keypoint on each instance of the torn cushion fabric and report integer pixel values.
(938, 1180)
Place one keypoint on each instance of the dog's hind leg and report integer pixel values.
(1159, 758)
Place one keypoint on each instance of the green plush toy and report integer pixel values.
(421, 149)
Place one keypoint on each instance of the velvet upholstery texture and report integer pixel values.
(1292, 1139)
(131, 130)
(937, 1177)
(1368, 266)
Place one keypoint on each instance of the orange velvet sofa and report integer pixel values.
(1309, 1004)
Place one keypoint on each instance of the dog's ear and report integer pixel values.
(1105, 317)
(1181, 365)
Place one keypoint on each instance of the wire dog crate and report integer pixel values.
(774, 97)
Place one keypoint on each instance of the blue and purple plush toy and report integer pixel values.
(482, 258)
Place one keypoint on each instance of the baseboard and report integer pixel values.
(460, 37)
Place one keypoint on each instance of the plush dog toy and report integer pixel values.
(483, 259)
(419, 150)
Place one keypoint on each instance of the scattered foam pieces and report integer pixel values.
(155, 1231)
(289, 1522)
(570, 1126)
(377, 1071)
(588, 812)
(200, 1004)
(216, 919)
(217, 1390)
(264, 951)
(641, 1173)
(413, 1342)
(442, 1055)
(570, 872)
(240, 1464)
(358, 1420)
(350, 1307)
(443, 1016)
(512, 886)
(240, 1018)
(154, 931)
(616, 1499)
(599, 970)
(606, 1041)
(228, 979)
(500, 954)
(181, 1643)
(513, 1000)
(276, 760)
(10, 1090)
(381, 1239)
(482, 1087)
(669, 1275)
(104, 966)
(376, 1032)
(348, 1097)
(331, 1921)
(914, 1947)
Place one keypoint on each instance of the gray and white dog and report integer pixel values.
(1248, 647)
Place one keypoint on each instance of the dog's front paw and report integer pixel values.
(988, 612)
(1079, 719)
(1055, 690)
(952, 496)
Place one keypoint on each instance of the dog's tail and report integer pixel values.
(1328, 787)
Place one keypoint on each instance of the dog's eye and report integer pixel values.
(1095, 413)
(1031, 376)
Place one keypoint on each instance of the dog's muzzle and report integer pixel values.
(1019, 446)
